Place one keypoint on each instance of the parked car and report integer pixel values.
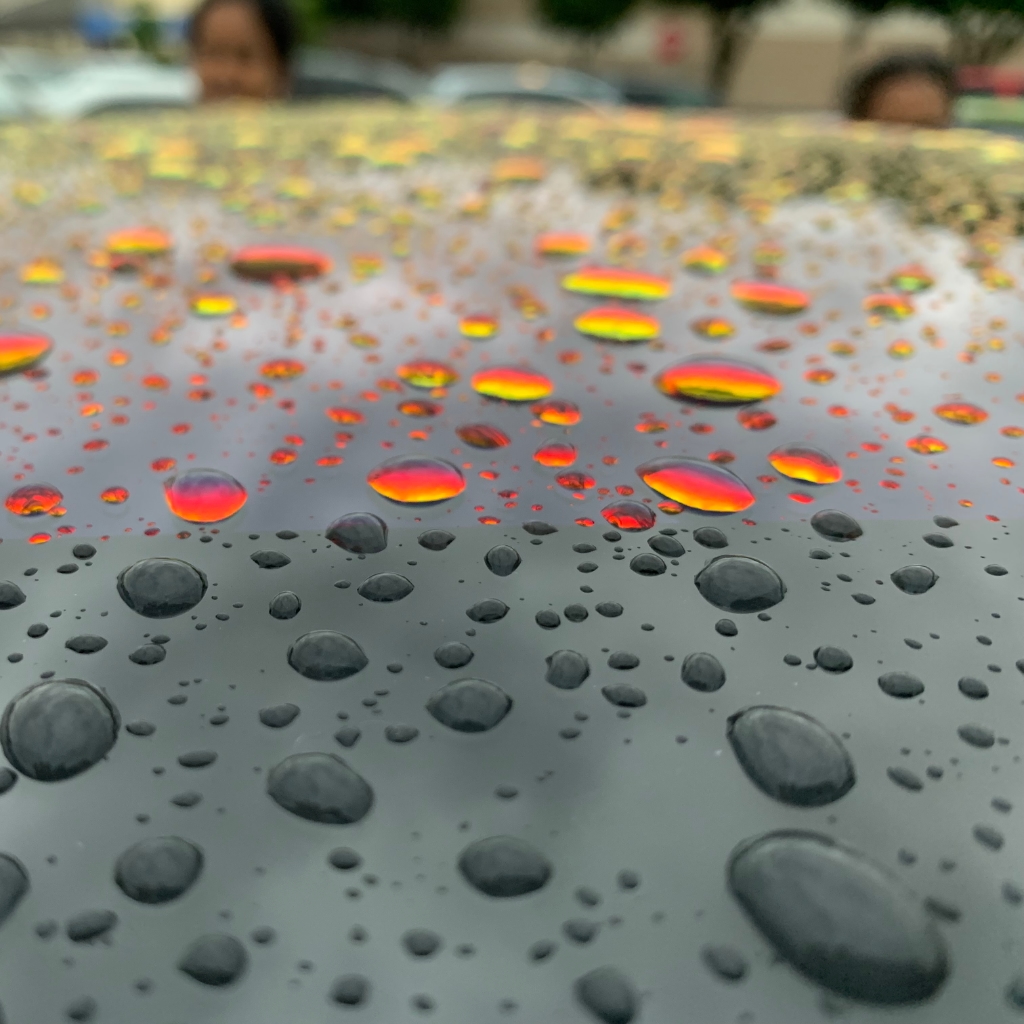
(334, 74)
(521, 83)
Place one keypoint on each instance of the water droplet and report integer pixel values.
(618, 324)
(421, 942)
(977, 736)
(617, 283)
(963, 413)
(548, 618)
(504, 867)
(624, 695)
(320, 787)
(426, 373)
(385, 587)
(905, 778)
(279, 715)
(350, 990)
(975, 689)
(158, 870)
(267, 262)
(34, 500)
(762, 297)
(148, 654)
(13, 884)
(937, 540)
(704, 672)
(204, 495)
(632, 516)
(362, 533)
(326, 655)
(609, 609)
(11, 595)
(344, 859)
(717, 380)
(90, 925)
(710, 537)
(216, 960)
(701, 485)
(725, 961)
(914, 579)
(57, 729)
(502, 560)
(802, 462)
(608, 995)
(835, 525)
(566, 670)
(409, 479)
(435, 540)
(555, 454)
(470, 705)
(286, 605)
(21, 351)
(575, 612)
(556, 411)
(270, 559)
(160, 588)
(488, 610)
(900, 684)
(737, 583)
(647, 564)
(790, 756)
(483, 435)
(996, 570)
(86, 644)
(840, 919)
(667, 546)
(511, 383)
(833, 659)
(453, 655)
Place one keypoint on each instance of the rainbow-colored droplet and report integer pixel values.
(20, 351)
(420, 408)
(617, 283)
(925, 444)
(721, 381)
(964, 413)
(889, 306)
(483, 435)
(282, 369)
(214, 304)
(511, 383)
(714, 328)
(911, 278)
(427, 373)
(114, 495)
(704, 259)
(555, 453)
(631, 516)
(706, 486)
(562, 243)
(765, 297)
(557, 411)
(803, 462)
(42, 272)
(478, 326)
(267, 262)
(614, 323)
(139, 241)
(416, 481)
(204, 495)
(34, 500)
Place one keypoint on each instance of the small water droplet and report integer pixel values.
(215, 960)
(504, 867)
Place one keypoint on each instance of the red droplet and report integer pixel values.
(556, 411)
(628, 515)
(414, 480)
(483, 435)
(696, 484)
(204, 495)
(114, 495)
(267, 262)
(555, 453)
(575, 481)
(33, 500)
(802, 462)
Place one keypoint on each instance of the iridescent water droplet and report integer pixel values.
(22, 350)
(426, 373)
(511, 383)
(267, 262)
(483, 435)
(617, 283)
(411, 480)
(802, 462)
(33, 500)
(702, 485)
(717, 380)
(632, 516)
(204, 495)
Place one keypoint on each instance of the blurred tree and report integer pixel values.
(733, 27)
(423, 16)
(862, 13)
(590, 21)
(981, 31)
(145, 29)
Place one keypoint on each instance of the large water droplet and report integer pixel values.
(717, 380)
(286, 605)
(835, 525)
(426, 373)
(57, 729)
(86, 644)
(470, 705)
(453, 655)
(764, 297)
(270, 559)
(914, 579)
(833, 659)
(900, 684)
(696, 484)
(267, 262)
(504, 866)
(502, 560)
(839, 918)
(710, 537)
(704, 672)
(412, 480)
(488, 610)
(160, 588)
(204, 495)
(609, 995)
(617, 283)
(435, 540)
(90, 925)
(790, 756)
(511, 383)
(13, 884)
(158, 870)
(632, 516)
(385, 587)
(566, 670)
(326, 655)
(737, 583)
(215, 960)
(802, 462)
(362, 533)
(34, 500)
(320, 787)
(11, 595)
(20, 351)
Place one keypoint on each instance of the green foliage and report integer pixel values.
(433, 16)
(981, 31)
(589, 19)
(145, 29)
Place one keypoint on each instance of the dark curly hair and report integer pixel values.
(277, 18)
(864, 85)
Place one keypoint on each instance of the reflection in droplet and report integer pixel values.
(763, 297)
(555, 453)
(160, 588)
(629, 515)
(721, 381)
(890, 306)
(925, 444)
(614, 323)
(33, 500)
(696, 484)
(504, 867)
(204, 495)
(911, 278)
(511, 383)
(961, 412)
(267, 262)
(802, 462)
(840, 919)
(483, 435)
(362, 533)
(715, 328)
(478, 326)
(470, 705)
(704, 259)
(320, 787)
(790, 756)
(326, 655)
(413, 480)
(617, 283)
(738, 583)
(283, 369)
(214, 304)
(556, 411)
(20, 351)
(58, 728)
(426, 373)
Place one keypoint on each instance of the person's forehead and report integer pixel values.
(912, 82)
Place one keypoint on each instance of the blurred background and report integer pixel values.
(74, 58)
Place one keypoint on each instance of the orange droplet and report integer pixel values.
(802, 462)
(478, 326)
(764, 297)
(704, 259)
(961, 412)
(155, 382)
(696, 484)
(427, 373)
(139, 241)
(511, 383)
(483, 435)
(901, 349)
(283, 456)
(925, 444)
(628, 515)
(96, 445)
(42, 272)
(282, 369)
(266, 262)
(418, 407)
(773, 345)
(1012, 431)
(340, 414)
(163, 464)
(84, 378)
(114, 495)
(555, 453)
(820, 375)
(720, 381)
(575, 481)
(204, 495)
(1005, 463)
(893, 307)
(413, 480)
(716, 328)
(562, 243)
(33, 500)
(20, 351)
(614, 323)
(556, 411)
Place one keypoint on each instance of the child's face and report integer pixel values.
(915, 100)
(234, 55)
